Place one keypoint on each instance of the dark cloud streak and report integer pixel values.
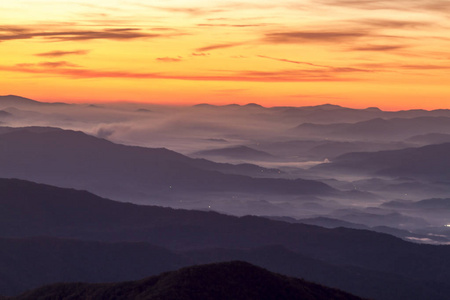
(169, 59)
(231, 25)
(330, 68)
(398, 66)
(217, 46)
(440, 6)
(111, 34)
(293, 61)
(195, 11)
(382, 48)
(58, 53)
(244, 76)
(392, 24)
(313, 36)
(362, 4)
(47, 64)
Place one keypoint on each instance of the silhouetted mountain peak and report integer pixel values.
(13, 100)
(203, 105)
(235, 280)
(375, 109)
(328, 106)
(253, 105)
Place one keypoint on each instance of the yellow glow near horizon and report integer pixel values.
(387, 54)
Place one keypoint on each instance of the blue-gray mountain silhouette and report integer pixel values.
(74, 159)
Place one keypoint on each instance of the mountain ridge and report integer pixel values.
(427, 162)
(221, 281)
(14, 100)
(74, 159)
(30, 209)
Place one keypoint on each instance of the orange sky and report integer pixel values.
(356, 53)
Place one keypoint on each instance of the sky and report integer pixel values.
(355, 53)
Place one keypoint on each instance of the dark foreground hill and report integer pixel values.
(362, 262)
(74, 159)
(32, 262)
(223, 281)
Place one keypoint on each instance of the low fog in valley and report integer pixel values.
(326, 165)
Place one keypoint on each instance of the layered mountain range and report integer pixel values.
(93, 239)
(354, 199)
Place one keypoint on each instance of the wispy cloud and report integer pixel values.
(436, 5)
(318, 96)
(217, 46)
(231, 25)
(13, 29)
(194, 11)
(250, 75)
(392, 24)
(230, 91)
(200, 54)
(293, 61)
(382, 48)
(58, 53)
(313, 36)
(295, 75)
(397, 66)
(403, 5)
(362, 4)
(169, 59)
(47, 64)
(77, 35)
(425, 67)
(330, 68)
(56, 64)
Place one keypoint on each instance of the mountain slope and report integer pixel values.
(232, 280)
(428, 162)
(32, 262)
(358, 281)
(37, 210)
(430, 138)
(17, 101)
(378, 128)
(74, 159)
(358, 260)
(237, 152)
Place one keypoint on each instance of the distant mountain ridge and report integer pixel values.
(325, 113)
(430, 138)
(379, 128)
(435, 203)
(428, 162)
(13, 100)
